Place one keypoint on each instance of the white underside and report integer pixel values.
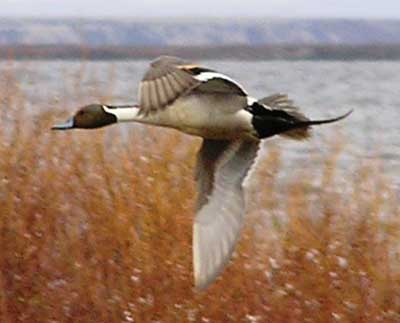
(206, 116)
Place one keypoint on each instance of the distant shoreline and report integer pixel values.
(234, 52)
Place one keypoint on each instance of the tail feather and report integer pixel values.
(281, 102)
(301, 130)
(285, 119)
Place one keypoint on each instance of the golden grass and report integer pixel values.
(95, 227)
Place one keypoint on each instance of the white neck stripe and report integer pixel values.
(123, 114)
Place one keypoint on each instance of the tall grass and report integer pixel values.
(95, 226)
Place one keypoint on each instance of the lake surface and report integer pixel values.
(322, 89)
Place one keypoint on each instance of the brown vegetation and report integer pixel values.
(95, 226)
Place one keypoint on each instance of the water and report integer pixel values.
(322, 89)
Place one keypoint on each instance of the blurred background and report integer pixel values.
(95, 226)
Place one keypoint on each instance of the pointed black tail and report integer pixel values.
(277, 115)
(317, 122)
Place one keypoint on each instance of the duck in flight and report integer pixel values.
(199, 101)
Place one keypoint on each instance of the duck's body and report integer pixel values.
(202, 102)
(201, 115)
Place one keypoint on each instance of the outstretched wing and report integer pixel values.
(221, 169)
(168, 78)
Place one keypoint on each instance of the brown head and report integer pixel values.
(88, 117)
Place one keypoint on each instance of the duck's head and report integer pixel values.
(88, 117)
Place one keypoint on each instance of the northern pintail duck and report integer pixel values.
(200, 101)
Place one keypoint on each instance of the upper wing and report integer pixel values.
(170, 77)
(221, 168)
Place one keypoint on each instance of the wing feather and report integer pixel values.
(153, 95)
(169, 91)
(176, 83)
(221, 169)
(145, 96)
(169, 78)
(164, 78)
(162, 96)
